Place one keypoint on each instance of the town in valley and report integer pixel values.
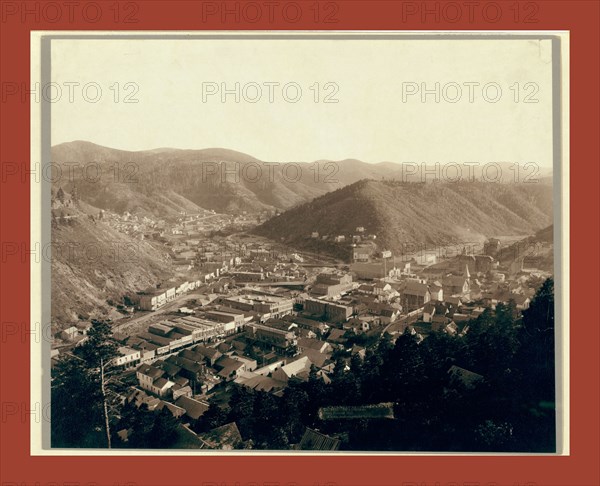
(332, 341)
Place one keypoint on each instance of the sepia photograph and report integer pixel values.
(300, 243)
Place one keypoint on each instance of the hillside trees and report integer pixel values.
(510, 409)
(79, 398)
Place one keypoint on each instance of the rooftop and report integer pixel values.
(313, 440)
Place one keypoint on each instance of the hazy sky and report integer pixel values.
(372, 120)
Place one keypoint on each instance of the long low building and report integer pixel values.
(223, 316)
(278, 338)
(375, 411)
(248, 276)
(330, 311)
(261, 303)
(168, 336)
(153, 299)
(203, 328)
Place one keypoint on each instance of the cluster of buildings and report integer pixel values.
(139, 227)
(247, 261)
(208, 221)
(270, 271)
(264, 337)
(357, 237)
(209, 320)
(198, 252)
(165, 337)
(154, 298)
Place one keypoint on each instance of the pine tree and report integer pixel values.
(99, 348)
(76, 405)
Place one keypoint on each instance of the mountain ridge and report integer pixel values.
(219, 179)
(403, 215)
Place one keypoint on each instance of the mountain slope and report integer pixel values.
(93, 263)
(536, 251)
(163, 182)
(409, 214)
